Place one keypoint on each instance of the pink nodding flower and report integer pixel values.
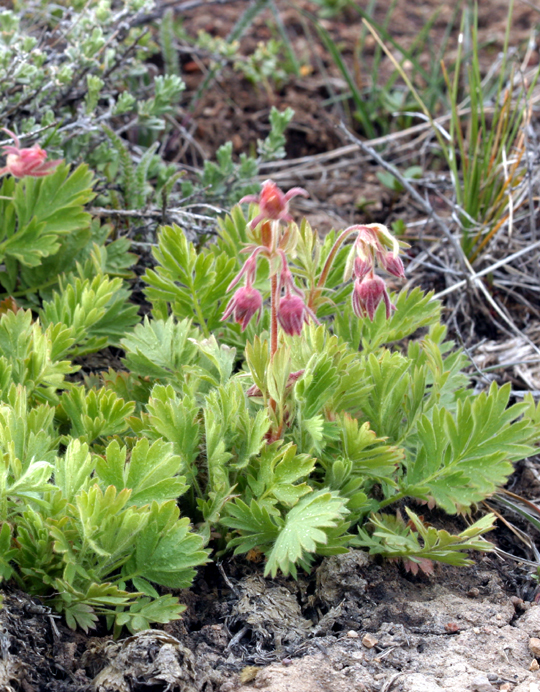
(362, 267)
(243, 305)
(393, 264)
(292, 313)
(23, 162)
(273, 202)
(367, 294)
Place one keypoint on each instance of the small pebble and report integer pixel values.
(534, 665)
(517, 602)
(228, 687)
(507, 687)
(534, 646)
(451, 627)
(474, 592)
(481, 684)
(369, 641)
(352, 634)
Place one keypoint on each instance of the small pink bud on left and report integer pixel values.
(244, 304)
(27, 162)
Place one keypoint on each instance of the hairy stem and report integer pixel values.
(316, 290)
(331, 257)
(274, 297)
(390, 500)
(274, 291)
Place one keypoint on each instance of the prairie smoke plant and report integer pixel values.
(26, 162)
(374, 246)
(274, 237)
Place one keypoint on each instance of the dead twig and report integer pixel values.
(179, 7)
(148, 213)
(490, 269)
(227, 581)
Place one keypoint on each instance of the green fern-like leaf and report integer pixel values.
(161, 349)
(390, 536)
(194, 284)
(94, 414)
(413, 310)
(463, 459)
(305, 529)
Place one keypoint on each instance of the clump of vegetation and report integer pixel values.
(86, 82)
(274, 394)
(291, 434)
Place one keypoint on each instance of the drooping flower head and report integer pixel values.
(367, 294)
(26, 162)
(245, 303)
(393, 264)
(273, 203)
(292, 311)
(374, 245)
(292, 314)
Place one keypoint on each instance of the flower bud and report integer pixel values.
(291, 314)
(243, 305)
(362, 266)
(273, 202)
(26, 162)
(367, 295)
(294, 377)
(253, 391)
(393, 264)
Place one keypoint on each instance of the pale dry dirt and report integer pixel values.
(352, 625)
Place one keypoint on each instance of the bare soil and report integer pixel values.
(351, 625)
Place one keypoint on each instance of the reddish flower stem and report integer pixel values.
(317, 289)
(274, 297)
(274, 290)
(330, 259)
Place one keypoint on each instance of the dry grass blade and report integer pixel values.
(527, 510)
(520, 535)
(472, 278)
(491, 268)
